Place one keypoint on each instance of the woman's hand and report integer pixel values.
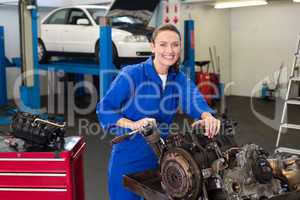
(210, 123)
(135, 125)
(143, 122)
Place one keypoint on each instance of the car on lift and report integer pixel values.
(74, 31)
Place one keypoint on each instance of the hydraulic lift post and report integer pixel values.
(29, 90)
(189, 49)
(4, 120)
(105, 54)
(3, 93)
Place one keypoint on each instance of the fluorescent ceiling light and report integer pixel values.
(240, 3)
(298, 1)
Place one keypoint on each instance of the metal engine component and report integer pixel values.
(251, 177)
(152, 136)
(38, 134)
(185, 166)
(287, 168)
(193, 167)
(181, 176)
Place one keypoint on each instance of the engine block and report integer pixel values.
(193, 167)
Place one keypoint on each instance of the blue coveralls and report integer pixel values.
(137, 93)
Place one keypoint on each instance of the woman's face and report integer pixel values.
(166, 48)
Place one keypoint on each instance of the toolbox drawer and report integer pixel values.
(43, 175)
(33, 165)
(33, 194)
(33, 180)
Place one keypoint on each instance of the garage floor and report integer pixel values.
(250, 129)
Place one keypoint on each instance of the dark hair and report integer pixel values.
(167, 27)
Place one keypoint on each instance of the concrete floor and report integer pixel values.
(250, 129)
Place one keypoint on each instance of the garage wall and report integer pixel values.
(261, 38)
(212, 27)
(76, 2)
(10, 20)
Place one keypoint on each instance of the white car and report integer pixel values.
(75, 31)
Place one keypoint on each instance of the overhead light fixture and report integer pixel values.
(297, 1)
(240, 3)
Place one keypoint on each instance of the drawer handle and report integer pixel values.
(32, 190)
(33, 174)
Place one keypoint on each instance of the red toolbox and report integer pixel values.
(207, 82)
(43, 175)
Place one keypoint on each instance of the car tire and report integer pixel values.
(115, 57)
(43, 57)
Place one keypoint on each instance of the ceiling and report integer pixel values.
(57, 3)
(214, 1)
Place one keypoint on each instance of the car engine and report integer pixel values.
(38, 134)
(193, 167)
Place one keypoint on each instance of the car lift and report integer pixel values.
(189, 49)
(4, 62)
(30, 90)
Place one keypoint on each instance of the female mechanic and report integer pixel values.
(149, 92)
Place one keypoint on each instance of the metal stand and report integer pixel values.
(107, 68)
(146, 184)
(189, 49)
(289, 99)
(30, 89)
(4, 119)
(3, 92)
(30, 96)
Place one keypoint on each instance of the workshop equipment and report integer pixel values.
(268, 93)
(209, 82)
(290, 98)
(121, 138)
(193, 167)
(5, 118)
(44, 175)
(148, 185)
(215, 74)
(29, 90)
(39, 134)
(189, 49)
(3, 93)
(203, 81)
(38, 162)
(151, 134)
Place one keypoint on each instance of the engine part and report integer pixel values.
(191, 162)
(181, 176)
(193, 167)
(287, 168)
(251, 177)
(152, 136)
(38, 134)
(215, 188)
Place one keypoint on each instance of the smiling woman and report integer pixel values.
(149, 93)
(166, 48)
